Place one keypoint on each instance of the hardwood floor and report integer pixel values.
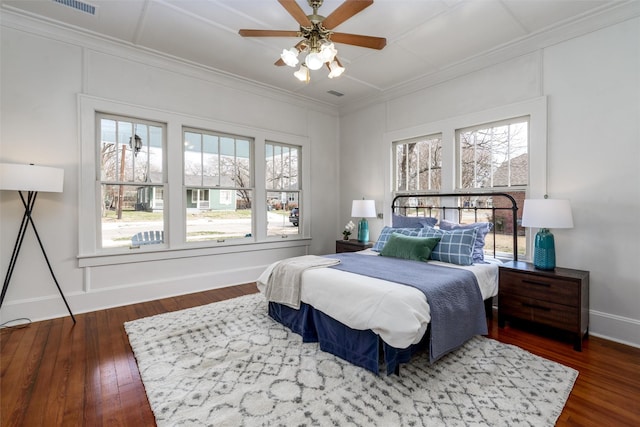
(55, 374)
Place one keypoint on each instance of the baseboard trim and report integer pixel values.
(615, 328)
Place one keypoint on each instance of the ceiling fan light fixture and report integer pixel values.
(314, 61)
(317, 32)
(335, 69)
(290, 56)
(302, 74)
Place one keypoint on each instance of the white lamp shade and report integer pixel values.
(302, 74)
(547, 213)
(363, 208)
(31, 178)
(328, 52)
(290, 56)
(335, 69)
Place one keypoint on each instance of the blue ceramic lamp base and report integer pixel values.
(363, 231)
(544, 255)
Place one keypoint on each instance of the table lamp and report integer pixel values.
(545, 214)
(364, 209)
(30, 179)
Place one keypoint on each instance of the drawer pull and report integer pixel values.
(533, 282)
(539, 307)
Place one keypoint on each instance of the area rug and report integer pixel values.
(229, 364)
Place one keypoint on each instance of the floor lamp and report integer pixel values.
(30, 179)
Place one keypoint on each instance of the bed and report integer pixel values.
(379, 307)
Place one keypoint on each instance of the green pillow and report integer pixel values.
(409, 247)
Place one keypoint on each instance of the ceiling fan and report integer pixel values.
(318, 36)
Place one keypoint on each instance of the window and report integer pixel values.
(131, 176)
(190, 182)
(418, 164)
(219, 186)
(282, 182)
(494, 155)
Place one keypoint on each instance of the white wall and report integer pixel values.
(43, 69)
(592, 84)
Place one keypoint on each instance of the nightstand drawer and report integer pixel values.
(540, 311)
(540, 287)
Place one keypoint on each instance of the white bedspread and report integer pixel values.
(399, 314)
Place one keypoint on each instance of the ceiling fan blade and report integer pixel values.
(345, 11)
(279, 63)
(359, 40)
(268, 33)
(296, 11)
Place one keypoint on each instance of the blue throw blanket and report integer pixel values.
(457, 309)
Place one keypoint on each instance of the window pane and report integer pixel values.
(108, 150)
(128, 210)
(418, 164)
(243, 164)
(210, 161)
(218, 215)
(283, 214)
(282, 167)
(227, 162)
(494, 155)
(193, 159)
(131, 151)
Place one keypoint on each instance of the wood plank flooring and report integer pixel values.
(55, 374)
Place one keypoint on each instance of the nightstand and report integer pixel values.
(557, 298)
(351, 246)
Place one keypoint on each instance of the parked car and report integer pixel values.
(293, 216)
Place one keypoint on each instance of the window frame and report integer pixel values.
(175, 246)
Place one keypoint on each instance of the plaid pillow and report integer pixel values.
(386, 233)
(455, 246)
(482, 227)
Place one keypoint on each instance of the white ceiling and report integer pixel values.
(424, 37)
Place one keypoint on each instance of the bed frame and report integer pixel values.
(412, 204)
(365, 348)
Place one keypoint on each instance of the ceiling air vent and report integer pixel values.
(78, 5)
(333, 92)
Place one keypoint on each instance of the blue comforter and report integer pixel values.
(453, 295)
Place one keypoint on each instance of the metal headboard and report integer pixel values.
(400, 206)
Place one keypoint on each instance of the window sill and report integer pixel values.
(141, 255)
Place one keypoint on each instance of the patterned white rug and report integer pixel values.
(229, 364)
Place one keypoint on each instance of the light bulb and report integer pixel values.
(314, 61)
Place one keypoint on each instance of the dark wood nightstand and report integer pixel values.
(557, 298)
(351, 246)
